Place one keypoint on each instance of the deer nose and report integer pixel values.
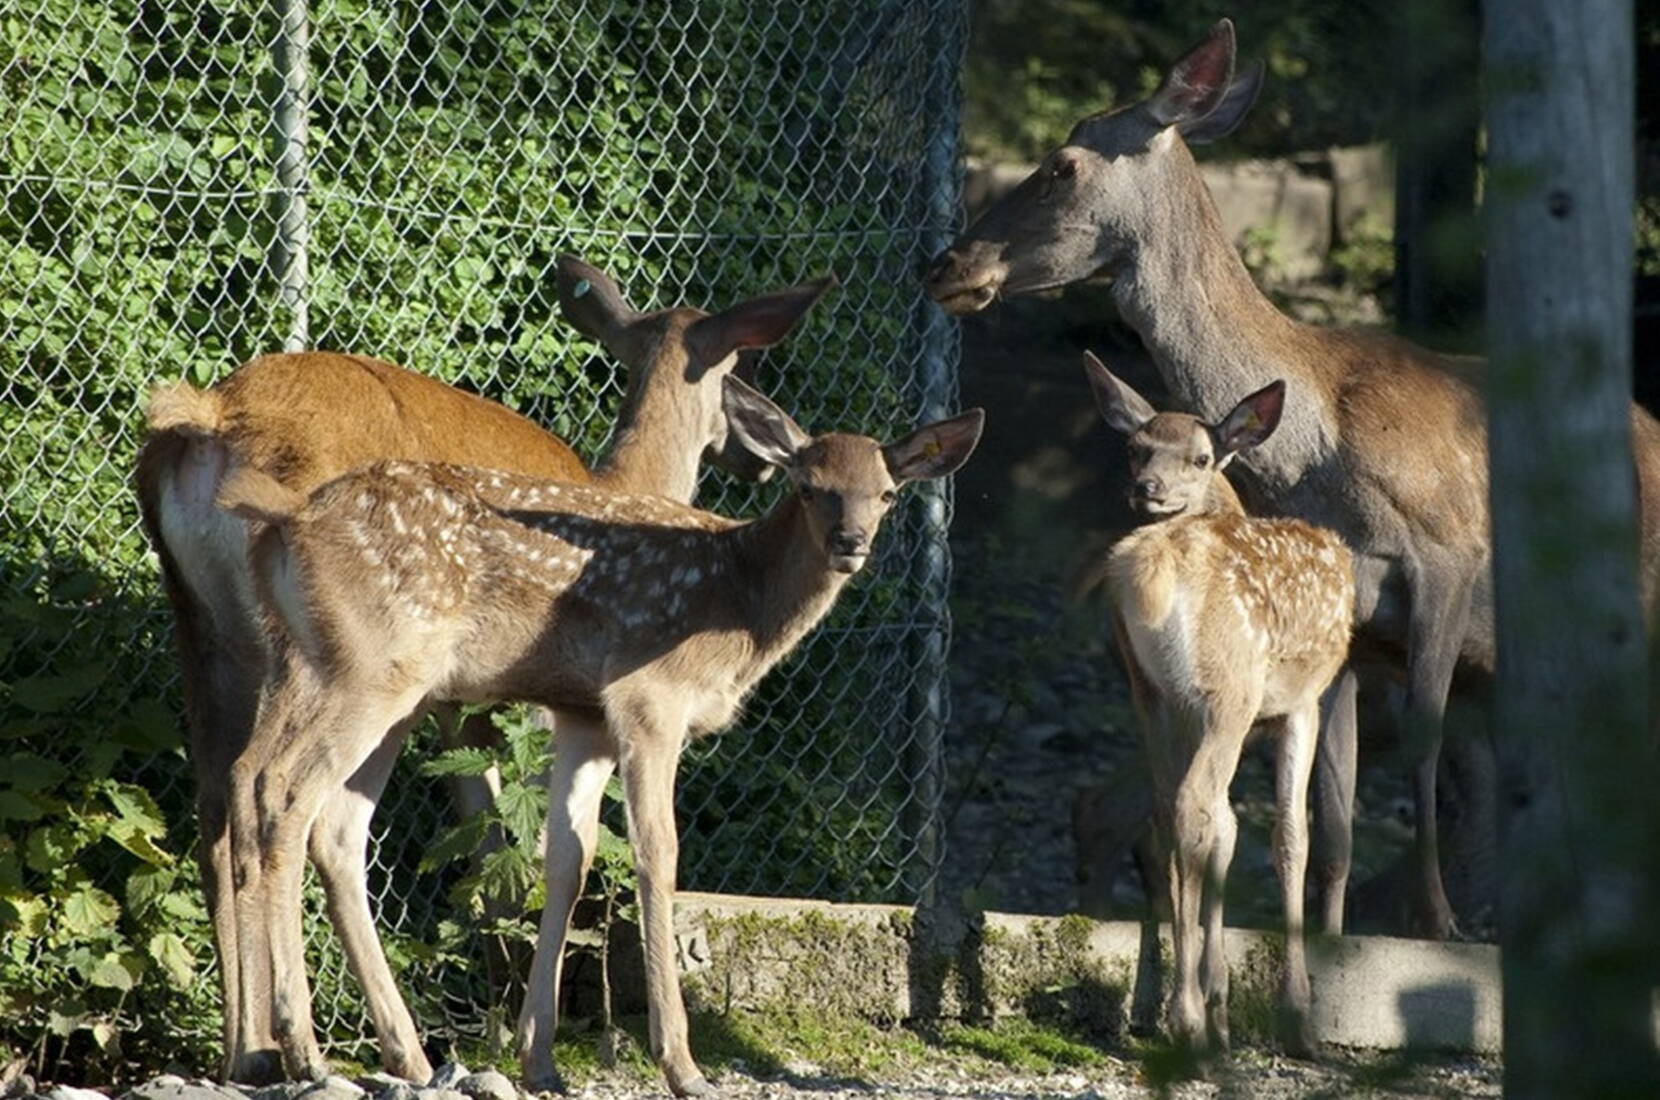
(848, 542)
(939, 269)
(1149, 488)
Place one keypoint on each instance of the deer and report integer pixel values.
(402, 584)
(307, 418)
(1383, 441)
(1222, 621)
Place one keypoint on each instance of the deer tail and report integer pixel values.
(254, 494)
(181, 407)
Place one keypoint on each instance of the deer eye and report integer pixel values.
(1202, 461)
(1064, 168)
(889, 497)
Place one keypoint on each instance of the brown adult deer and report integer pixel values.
(305, 419)
(1384, 442)
(403, 584)
(1222, 621)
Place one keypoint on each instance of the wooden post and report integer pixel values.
(1577, 759)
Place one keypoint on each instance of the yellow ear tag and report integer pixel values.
(931, 448)
(582, 287)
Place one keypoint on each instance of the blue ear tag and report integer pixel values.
(582, 287)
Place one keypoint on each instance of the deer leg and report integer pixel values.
(284, 780)
(1201, 800)
(1214, 959)
(339, 844)
(221, 686)
(1290, 846)
(651, 744)
(583, 761)
(1335, 763)
(1441, 593)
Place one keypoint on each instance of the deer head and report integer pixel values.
(1111, 185)
(688, 346)
(846, 483)
(1176, 459)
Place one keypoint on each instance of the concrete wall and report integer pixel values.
(1371, 992)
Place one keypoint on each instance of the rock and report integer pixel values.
(800, 1067)
(488, 1085)
(69, 1092)
(398, 1089)
(446, 1075)
(282, 1090)
(334, 1087)
(170, 1086)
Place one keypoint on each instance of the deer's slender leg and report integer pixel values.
(651, 734)
(1214, 958)
(1335, 764)
(1219, 730)
(339, 849)
(1290, 845)
(1441, 592)
(583, 762)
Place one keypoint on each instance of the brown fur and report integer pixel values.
(1387, 445)
(1223, 621)
(404, 583)
(302, 419)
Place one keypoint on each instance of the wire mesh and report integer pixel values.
(186, 185)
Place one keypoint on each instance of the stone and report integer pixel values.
(446, 1075)
(333, 1087)
(1275, 201)
(70, 1092)
(488, 1085)
(173, 1087)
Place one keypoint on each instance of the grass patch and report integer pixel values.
(1021, 1045)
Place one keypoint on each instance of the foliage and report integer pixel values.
(1037, 66)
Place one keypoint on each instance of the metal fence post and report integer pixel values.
(929, 703)
(289, 248)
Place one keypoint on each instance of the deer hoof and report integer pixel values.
(546, 1081)
(697, 1086)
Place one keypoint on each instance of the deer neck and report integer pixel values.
(650, 452)
(789, 582)
(1220, 497)
(1212, 334)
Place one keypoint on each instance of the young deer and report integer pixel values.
(1223, 620)
(402, 584)
(307, 418)
(1385, 442)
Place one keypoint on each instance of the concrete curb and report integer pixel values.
(1371, 992)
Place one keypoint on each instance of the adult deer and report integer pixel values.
(1383, 442)
(1222, 621)
(404, 583)
(305, 419)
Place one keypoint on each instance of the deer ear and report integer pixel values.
(1198, 82)
(1251, 421)
(1228, 114)
(591, 301)
(1122, 408)
(936, 449)
(756, 323)
(764, 428)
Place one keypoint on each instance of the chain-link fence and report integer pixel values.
(186, 185)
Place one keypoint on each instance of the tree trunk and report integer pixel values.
(1576, 763)
(1437, 116)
